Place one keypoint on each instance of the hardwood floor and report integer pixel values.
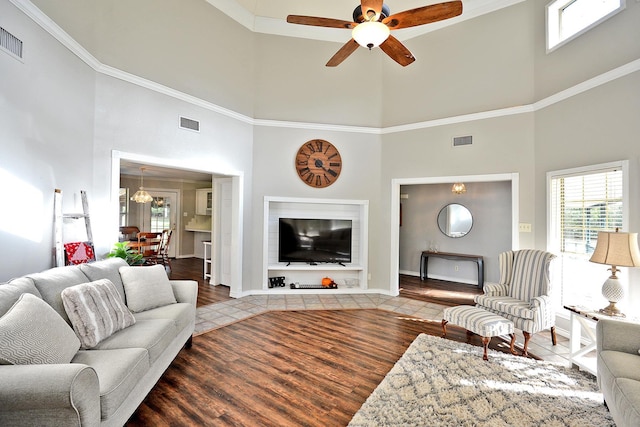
(285, 368)
(438, 291)
(192, 269)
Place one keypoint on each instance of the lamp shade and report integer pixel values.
(370, 34)
(617, 248)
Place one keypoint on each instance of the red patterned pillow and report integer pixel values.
(79, 252)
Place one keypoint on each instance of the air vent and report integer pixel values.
(462, 140)
(189, 124)
(10, 43)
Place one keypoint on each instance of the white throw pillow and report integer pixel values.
(146, 287)
(32, 332)
(96, 311)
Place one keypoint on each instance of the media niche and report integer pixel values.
(314, 241)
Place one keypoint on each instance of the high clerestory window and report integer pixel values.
(582, 202)
(567, 19)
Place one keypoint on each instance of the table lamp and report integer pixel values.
(617, 249)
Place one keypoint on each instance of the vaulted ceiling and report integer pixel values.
(269, 16)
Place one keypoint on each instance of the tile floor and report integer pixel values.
(223, 313)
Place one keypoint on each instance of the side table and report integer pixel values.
(584, 319)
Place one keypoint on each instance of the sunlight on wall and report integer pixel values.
(24, 218)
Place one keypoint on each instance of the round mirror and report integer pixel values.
(455, 220)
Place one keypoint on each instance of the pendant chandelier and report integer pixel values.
(141, 196)
(458, 188)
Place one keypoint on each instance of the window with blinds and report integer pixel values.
(581, 203)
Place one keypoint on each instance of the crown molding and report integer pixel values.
(66, 40)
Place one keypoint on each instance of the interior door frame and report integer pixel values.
(175, 238)
(237, 187)
(396, 183)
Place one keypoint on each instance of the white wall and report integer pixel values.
(275, 175)
(139, 121)
(46, 141)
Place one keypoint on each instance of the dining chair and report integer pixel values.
(149, 246)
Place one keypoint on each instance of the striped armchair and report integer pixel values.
(523, 293)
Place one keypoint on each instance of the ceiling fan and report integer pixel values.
(372, 25)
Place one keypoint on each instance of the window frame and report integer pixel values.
(586, 170)
(553, 23)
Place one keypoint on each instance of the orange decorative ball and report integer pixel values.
(326, 282)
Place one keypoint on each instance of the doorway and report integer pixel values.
(162, 214)
(396, 184)
(233, 210)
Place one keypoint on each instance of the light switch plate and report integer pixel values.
(525, 227)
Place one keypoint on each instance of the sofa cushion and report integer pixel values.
(146, 287)
(106, 269)
(119, 371)
(96, 311)
(52, 282)
(619, 364)
(31, 332)
(626, 394)
(182, 314)
(153, 335)
(10, 292)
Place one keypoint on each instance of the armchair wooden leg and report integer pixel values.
(512, 344)
(527, 336)
(485, 344)
(553, 335)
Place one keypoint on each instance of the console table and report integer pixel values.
(424, 263)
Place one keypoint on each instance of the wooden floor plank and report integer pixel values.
(286, 368)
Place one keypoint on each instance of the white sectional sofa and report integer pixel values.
(48, 376)
(618, 359)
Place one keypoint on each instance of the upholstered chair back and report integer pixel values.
(530, 274)
(506, 267)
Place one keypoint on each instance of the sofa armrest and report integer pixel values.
(495, 289)
(618, 336)
(66, 394)
(185, 290)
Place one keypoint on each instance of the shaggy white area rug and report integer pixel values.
(438, 382)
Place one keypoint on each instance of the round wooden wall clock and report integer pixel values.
(318, 163)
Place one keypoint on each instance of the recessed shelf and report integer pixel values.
(323, 267)
(285, 207)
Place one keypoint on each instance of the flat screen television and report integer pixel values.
(314, 240)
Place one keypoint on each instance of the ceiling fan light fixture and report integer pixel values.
(370, 34)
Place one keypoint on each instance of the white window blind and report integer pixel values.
(581, 204)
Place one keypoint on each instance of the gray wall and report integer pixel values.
(490, 207)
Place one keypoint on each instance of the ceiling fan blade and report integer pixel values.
(397, 51)
(320, 22)
(375, 5)
(423, 15)
(343, 53)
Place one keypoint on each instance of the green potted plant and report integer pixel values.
(122, 250)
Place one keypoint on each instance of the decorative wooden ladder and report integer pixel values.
(58, 222)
